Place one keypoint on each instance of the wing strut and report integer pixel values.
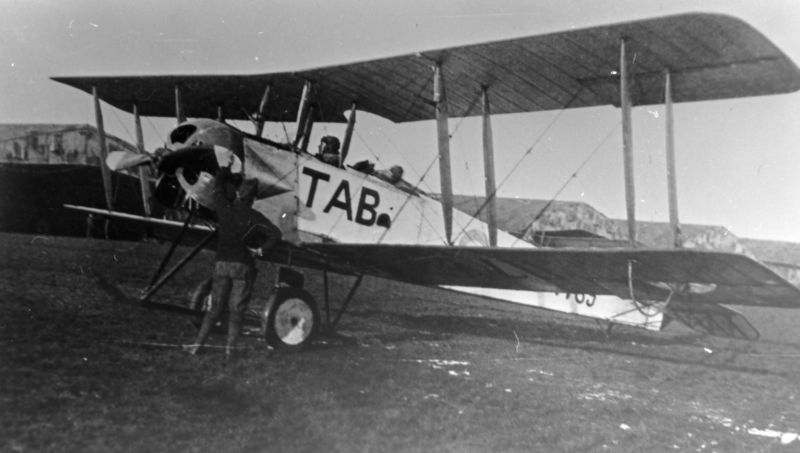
(157, 281)
(180, 116)
(155, 286)
(443, 134)
(144, 172)
(173, 247)
(307, 128)
(672, 185)
(347, 300)
(348, 134)
(488, 168)
(627, 141)
(302, 112)
(105, 172)
(262, 109)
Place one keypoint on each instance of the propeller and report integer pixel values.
(123, 160)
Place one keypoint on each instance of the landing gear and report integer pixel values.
(289, 320)
(292, 319)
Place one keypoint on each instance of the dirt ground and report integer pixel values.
(413, 369)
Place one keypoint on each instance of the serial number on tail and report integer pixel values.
(580, 298)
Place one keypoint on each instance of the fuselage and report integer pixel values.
(313, 201)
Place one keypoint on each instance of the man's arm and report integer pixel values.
(273, 235)
(262, 234)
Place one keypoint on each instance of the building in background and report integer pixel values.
(44, 166)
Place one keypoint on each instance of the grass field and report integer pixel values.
(414, 369)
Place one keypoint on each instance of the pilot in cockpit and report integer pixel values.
(329, 151)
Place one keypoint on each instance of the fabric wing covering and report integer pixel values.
(709, 56)
(717, 277)
(735, 279)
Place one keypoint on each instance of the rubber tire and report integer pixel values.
(289, 307)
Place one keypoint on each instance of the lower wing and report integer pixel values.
(697, 276)
(642, 284)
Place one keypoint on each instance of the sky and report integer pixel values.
(738, 161)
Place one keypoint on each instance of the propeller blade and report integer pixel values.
(122, 160)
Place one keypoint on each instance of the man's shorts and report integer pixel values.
(233, 283)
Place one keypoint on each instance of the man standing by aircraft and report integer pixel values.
(242, 231)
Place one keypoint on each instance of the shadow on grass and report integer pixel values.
(621, 341)
(218, 399)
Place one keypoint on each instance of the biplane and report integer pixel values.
(344, 218)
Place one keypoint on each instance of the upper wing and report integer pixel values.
(709, 56)
(735, 279)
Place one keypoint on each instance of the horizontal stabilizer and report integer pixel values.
(713, 319)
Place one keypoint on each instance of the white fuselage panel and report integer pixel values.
(347, 206)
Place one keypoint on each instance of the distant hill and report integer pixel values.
(513, 214)
(774, 251)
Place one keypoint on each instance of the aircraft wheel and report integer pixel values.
(292, 319)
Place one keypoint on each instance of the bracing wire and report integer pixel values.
(286, 132)
(378, 160)
(574, 174)
(572, 177)
(524, 155)
(455, 130)
(408, 198)
(125, 128)
(466, 114)
(116, 187)
(153, 127)
(418, 94)
(408, 195)
(427, 170)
